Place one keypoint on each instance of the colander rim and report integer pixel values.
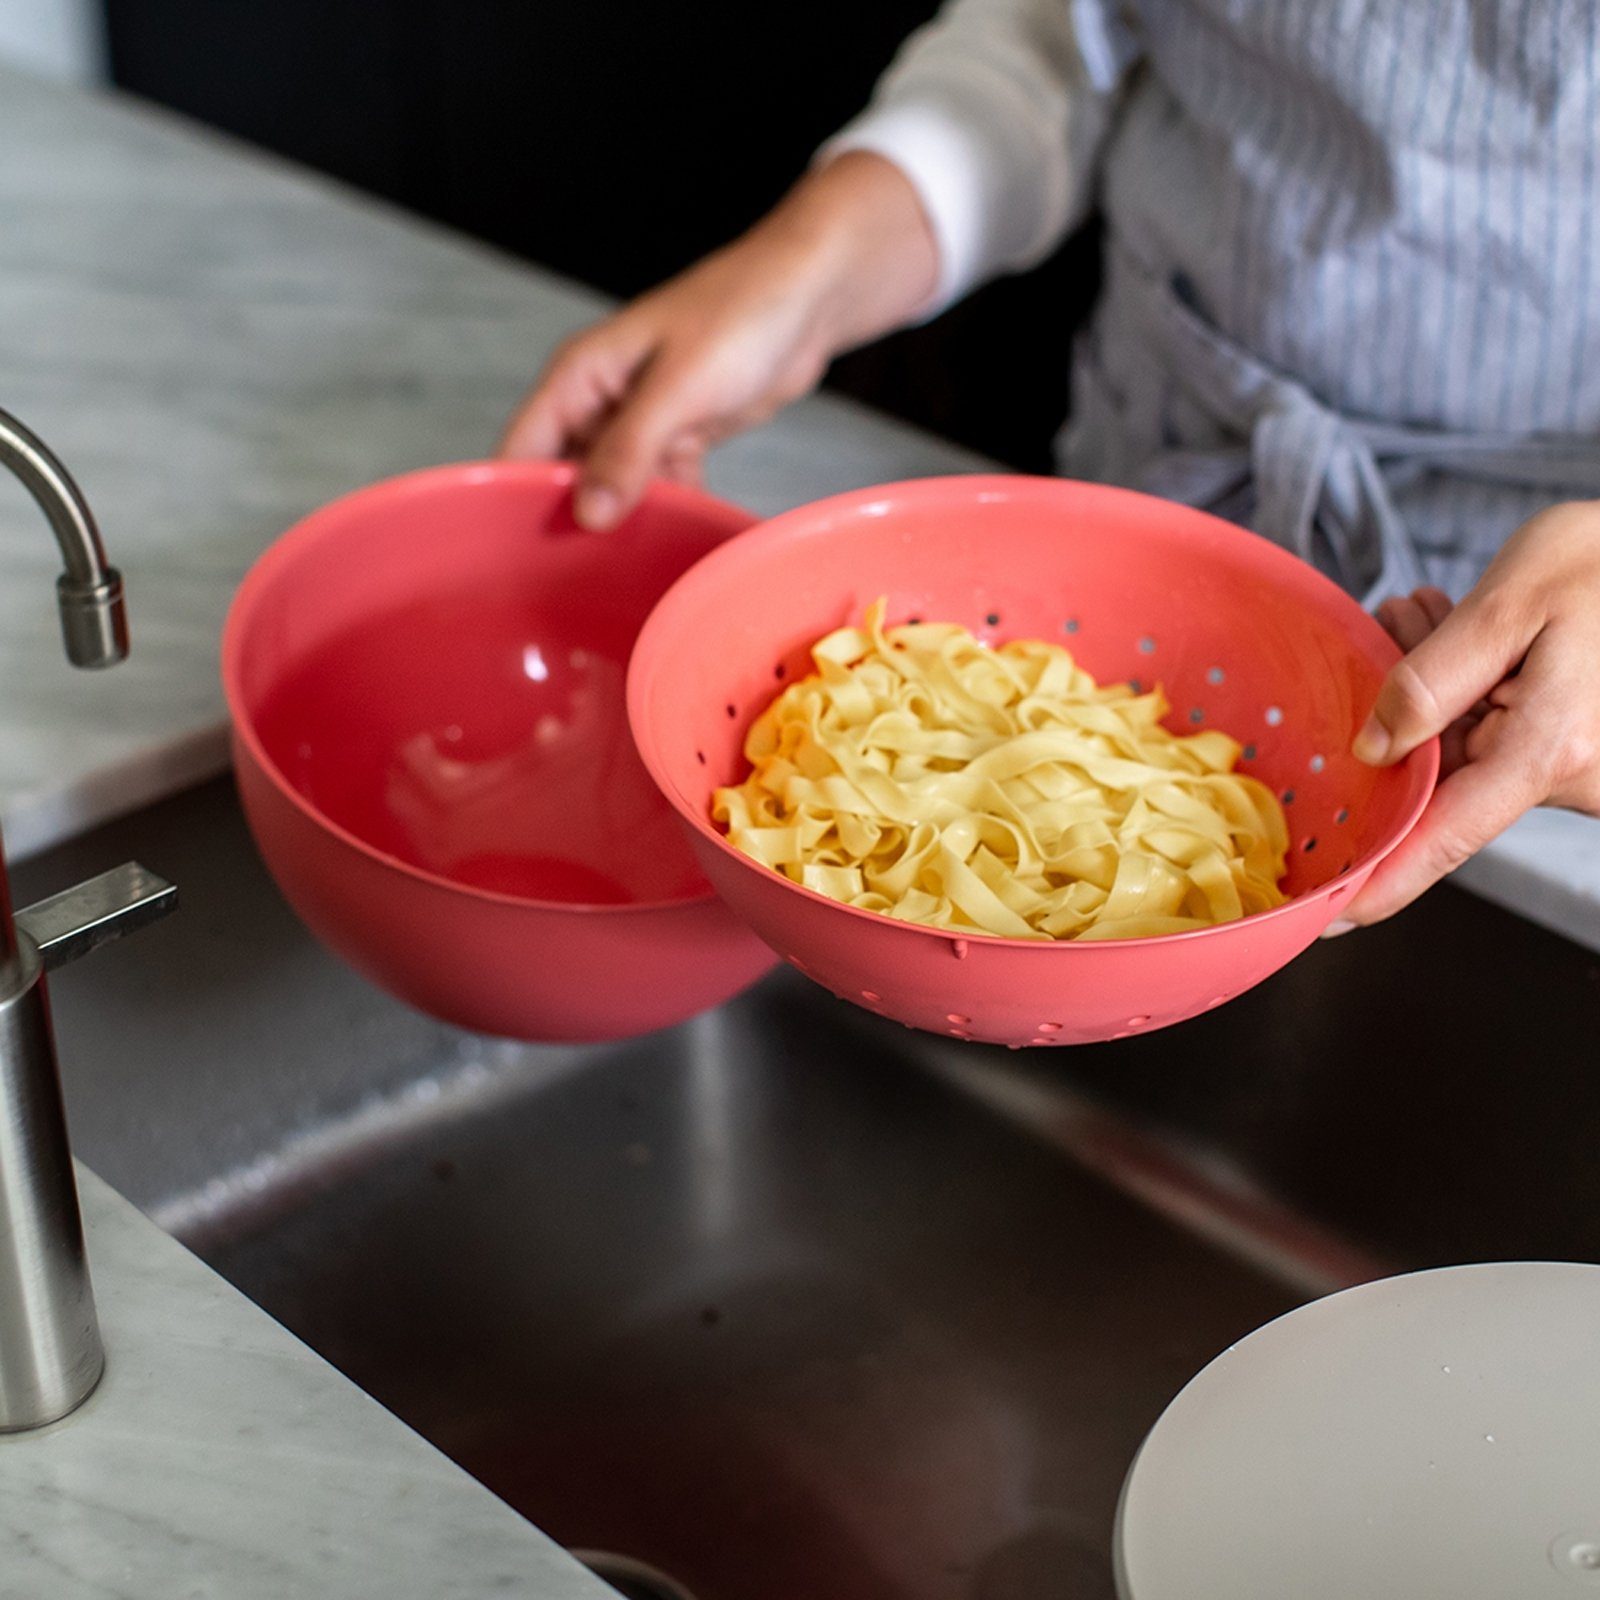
(1421, 767)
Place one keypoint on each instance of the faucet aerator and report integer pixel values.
(94, 621)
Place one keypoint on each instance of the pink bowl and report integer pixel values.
(1244, 637)
(426, 685)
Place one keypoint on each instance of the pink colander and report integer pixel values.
(1243, 636)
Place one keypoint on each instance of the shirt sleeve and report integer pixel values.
(996, 111)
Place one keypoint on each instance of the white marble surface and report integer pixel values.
(1547, 867)
(220, 1459)
(215, 343)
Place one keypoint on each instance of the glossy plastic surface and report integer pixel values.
(426, 683)
(1245, 638)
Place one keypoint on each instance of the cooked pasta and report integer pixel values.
(920, 774)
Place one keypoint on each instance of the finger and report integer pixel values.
(543, 426)
(580, 384)
(1435, 602)
(1439, 680)
(1467, 810)
(1406, 621)
(685, 460)
(1456, 741)
(632, 446)
(1486, 733)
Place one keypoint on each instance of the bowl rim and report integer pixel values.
(325, 523)
(818, 516)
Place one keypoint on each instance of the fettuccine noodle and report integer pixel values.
(922, 775)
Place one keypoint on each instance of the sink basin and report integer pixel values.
(790, 1301)
(762, 1304)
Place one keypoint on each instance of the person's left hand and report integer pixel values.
(1511, 680)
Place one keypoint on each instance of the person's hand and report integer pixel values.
(1511, 680)
(723, 346)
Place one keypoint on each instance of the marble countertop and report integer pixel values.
(220, 1459)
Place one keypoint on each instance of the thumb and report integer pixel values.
(1467, 810)
(1442, 679)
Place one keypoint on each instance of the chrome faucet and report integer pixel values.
(50, 1351)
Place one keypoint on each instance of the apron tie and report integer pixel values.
(1311, 474)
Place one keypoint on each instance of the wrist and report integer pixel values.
(867, 252)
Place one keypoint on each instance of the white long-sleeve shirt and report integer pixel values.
(997, 111)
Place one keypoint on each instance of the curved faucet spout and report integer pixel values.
(94, 620)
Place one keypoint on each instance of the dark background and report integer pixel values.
(613, 140)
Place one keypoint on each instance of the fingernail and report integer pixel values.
(1334, 929)
(597, 507)
(1372, 743)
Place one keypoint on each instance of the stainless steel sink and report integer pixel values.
(790, 1302)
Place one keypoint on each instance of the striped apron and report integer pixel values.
(1352, 275)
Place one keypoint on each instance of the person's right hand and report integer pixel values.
(726, 344)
